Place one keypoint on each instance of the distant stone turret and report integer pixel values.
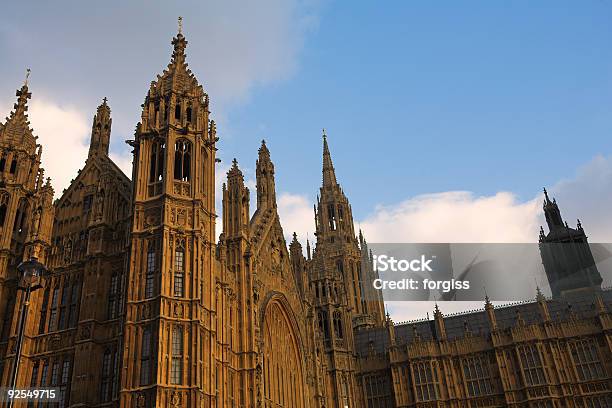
(566, 255)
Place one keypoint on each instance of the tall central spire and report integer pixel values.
(329, 174)
(180, 43)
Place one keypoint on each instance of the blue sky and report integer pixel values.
(418, 97)
(444, 118)
(423, 96)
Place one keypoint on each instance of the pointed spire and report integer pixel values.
(266, 189)
(100, 131)
(234, 171)
(542, 304)
(180, 43)
(546, 199)
(539, 295)
(490, 310)
(552, 213)
(295, 246)
(263, 149)
(439, 323)
(329, 174)
(27, 77)
(390, 328)
(17, 124)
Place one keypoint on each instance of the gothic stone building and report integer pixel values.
(142, 306)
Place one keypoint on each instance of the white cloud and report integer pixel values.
(234, 46)
(587, 196)
(460, 216)
(64, 132)
(455, 216)
(296, 215)
(124, 161)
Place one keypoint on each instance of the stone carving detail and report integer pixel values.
(178, 310)
(175, 400)
(140, 401)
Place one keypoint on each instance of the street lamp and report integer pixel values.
(29, 281)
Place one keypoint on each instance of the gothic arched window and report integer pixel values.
(182, 160)
(145, 357)
(2, 162)
(20, 217)
(107, 369)
(179, 272)
(13, 168)
(176, 370)
(113, 297)
(74, 304)
(189, 113)
(177, 111)
(331, 215)
(324, 325)
(4, 199)
(150, 272)
(63, 305)
(338, 325)
(156, 167)
(43, 312)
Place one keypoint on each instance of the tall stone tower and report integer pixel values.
(169, 346)
(336, 276)
(26, 220)
(566, 255)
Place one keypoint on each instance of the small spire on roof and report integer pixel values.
(27, 77)
(180, 25)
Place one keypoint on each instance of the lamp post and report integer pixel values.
(29, 281)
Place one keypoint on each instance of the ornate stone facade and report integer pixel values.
(142, 308)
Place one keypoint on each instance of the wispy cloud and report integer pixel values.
(63, 132)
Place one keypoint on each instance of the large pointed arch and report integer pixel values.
(283, 370)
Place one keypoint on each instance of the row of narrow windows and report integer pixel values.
(57, 376)
(59, 308)
(178, 281)
(182, 161)
(183, 165)
(337, 325)
(334, 219)
(477, 375)
(12, 167)
(176, 361)
(177, 112)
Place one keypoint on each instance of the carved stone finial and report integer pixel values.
(27, 77)
(180, 25)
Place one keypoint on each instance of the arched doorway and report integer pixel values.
(283, 379)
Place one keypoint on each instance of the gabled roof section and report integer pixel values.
(106, 169)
